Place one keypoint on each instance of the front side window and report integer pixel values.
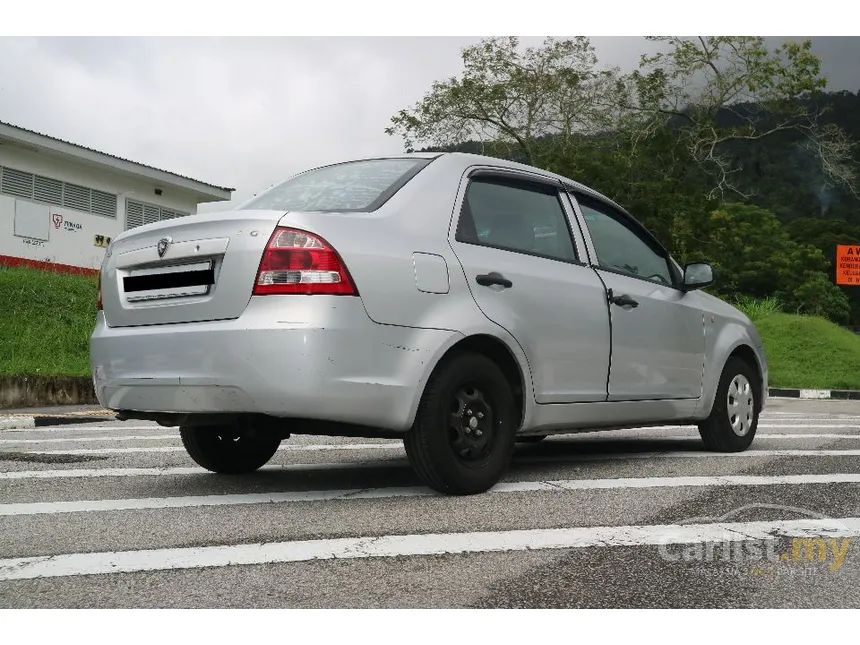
(359, 186)
(515, 215)
(620, 247)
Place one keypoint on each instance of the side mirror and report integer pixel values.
(698, 275)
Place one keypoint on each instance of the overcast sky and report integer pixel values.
(248, 112)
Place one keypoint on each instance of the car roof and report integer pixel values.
(469, 159)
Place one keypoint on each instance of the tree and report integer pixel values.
(518, 103)
(818, 296)
(753, 255)
(714, 91)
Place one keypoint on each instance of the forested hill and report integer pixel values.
(783, 202)
(779, 172)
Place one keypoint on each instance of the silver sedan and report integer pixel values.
(459, 302)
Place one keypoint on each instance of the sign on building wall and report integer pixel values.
(31, 220)
(848, 265)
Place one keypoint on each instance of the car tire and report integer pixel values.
(532, 438)
(228, 449)
(733, 421)
(463, 437)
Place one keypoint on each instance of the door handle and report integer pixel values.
(623, 300)
(490, 279)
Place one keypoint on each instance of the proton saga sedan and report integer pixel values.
(461, 303)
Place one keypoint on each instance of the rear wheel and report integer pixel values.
(732, 423)
(228, 449)
(463, 437)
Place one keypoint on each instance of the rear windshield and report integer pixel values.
(353, 186)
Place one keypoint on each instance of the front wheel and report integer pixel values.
(463, 437)
(228, 449)
(732, 423)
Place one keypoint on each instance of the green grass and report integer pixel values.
(809, 352)
(756, 308)
(45, 322)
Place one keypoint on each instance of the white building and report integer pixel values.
(61, 203)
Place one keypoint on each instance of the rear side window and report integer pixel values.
(515, 215)
(360, 186)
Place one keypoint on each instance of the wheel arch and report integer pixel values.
(510, 361)
(743, 350)
(747, 354)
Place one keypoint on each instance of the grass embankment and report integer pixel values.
(45, 322)
(806, 351)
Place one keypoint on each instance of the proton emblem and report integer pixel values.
(163, 244)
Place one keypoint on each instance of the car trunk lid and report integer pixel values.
(194, 269)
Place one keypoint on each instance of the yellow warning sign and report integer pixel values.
(848, 264)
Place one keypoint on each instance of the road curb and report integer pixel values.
(26, 421)
(844, 395)
(42, 391)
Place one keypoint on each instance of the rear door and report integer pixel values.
(658, 339)
(523, 266)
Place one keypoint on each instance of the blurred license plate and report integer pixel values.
(177, 281)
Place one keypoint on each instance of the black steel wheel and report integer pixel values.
(463, 437)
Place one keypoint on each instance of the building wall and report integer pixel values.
(65, 236)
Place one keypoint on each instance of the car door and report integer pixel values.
(514, 242)
(658, 336)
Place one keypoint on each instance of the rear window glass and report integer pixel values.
(352, 186)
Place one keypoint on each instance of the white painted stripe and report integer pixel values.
(523, 459)
(133, 437)
(688, 454)
(773, 435)
(386, 546)
(13, 424)
(786, 426)
(557, 486)
(399, 446)
(88, 473)
(289, 447)
(793, 426)
(76, 427)
(809, 415)
(75, 473)
(365, 446)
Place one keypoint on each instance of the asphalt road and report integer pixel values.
(116, 515)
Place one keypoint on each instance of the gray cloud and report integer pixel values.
(247, 112)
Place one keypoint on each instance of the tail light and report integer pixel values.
(100, 292)
(297, 262)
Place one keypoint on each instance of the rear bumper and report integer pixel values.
(314, 357)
